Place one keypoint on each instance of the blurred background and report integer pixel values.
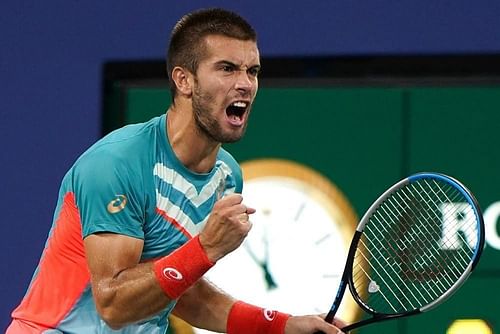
(363, 92)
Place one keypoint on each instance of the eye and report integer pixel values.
(227, 68)
(254, 71)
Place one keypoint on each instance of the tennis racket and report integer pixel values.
(413, 248)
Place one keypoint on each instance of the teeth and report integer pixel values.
(239, 104)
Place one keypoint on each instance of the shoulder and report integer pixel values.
(120, 156)
(124, 146)
(128, 138)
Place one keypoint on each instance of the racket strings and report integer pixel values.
(454, 196)
(443, 256)
(400, 294)
(403, 259)
(470, 231)
(415, 246)
(393, 307)
(418, 227)
(445, 217)
(383, 296)
(389, 283)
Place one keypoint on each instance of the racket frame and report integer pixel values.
(347, 280)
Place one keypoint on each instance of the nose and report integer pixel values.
(244, 82)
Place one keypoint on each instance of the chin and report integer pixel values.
(233, 137)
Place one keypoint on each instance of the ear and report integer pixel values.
(183, 80)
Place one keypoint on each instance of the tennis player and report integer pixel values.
(148, 209)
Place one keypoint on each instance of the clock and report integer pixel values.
(293, 258)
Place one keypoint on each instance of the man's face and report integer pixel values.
(225, 86)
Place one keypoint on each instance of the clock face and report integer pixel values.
(295, 253)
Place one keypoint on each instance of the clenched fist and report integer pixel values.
(227, 227)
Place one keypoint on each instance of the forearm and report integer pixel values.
(205, 306)
(141, 290)
(130, 296)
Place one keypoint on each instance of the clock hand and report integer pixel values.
(270, 282)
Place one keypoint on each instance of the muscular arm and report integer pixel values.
(212, 313)
(127, 291)
(124, 290)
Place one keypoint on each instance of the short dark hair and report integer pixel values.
(187, 47)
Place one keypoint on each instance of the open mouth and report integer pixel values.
(235, 112)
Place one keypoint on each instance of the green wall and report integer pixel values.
(364, 140)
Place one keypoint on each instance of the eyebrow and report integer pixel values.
(229, 63)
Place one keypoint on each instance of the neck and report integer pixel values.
(193, 149)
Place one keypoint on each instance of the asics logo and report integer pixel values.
(117, 204)
(269, 314)
(172, 273)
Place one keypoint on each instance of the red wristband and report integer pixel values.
(244, 318)
(177, 271)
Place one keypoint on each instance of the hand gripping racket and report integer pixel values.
(413, 248)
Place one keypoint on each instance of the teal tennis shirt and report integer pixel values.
(131, 183)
